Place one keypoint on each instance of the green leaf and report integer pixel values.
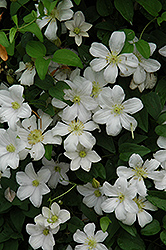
(163, 236)
(49, 5)
(15, 19)
(17, 218)
(14, 6)
(127, 48)
(10, 48)
(11, 245)
(45, 84)
(161, 130)
(129, 242)
(164, 222)
(130, 229)
(84, 176)
(84, 54)
(142, 119)
(127, 149)
(160, 91)
(104, 223)
(35, 49)
(77, 1)
(106, 25)
(99, 170)
(30, 17)
(89, 213)
(143, 48)
(48, 151)
(126, 9)
(67, 57)
(152, 228)
(152, 104)
(57, 90)
(42, 67)
(157, 198)
(105, 141)
(34, 29)
(12, 33)
(104, 7)
(74, 224)
(3, 40)
(151, 6)
(130, 34)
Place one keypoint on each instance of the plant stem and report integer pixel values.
(146, 27)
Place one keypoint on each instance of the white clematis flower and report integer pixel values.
(88, 239)
(161, 154)
(115, 112)
(53, 217)
(82, 157)
(139, 171)
(112, 60)
(58, 172)
(12, 105)
(145, 65)
(121, 200)
(35, 137)
(78, 27)
(143, 216)
(149, 83)
(3, 4)
(80, 95)
(10, 147)
(29, 72)
(32, 185)
(61, 12)
(41, 236)
(78, 133)
(94, 196)
(162, 51)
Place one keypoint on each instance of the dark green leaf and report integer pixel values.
(130, 229)
(128, 48)
(17, 218)
(48, 151)
(126, 9)
(142, 119)
(129, 242)
(84, 54)
(74, 224)
(152, 104)
(10, 48)
(45, 84)
(127, 149)
(11, 245)
(161, 130)
(15, 19)
(151, 6)
(35, 49)
(67, 57)
(99, 170)
(89, 213)
(3, 39)
(104, 223)
(160, 91)
(152, 228)
(157, 198)
(162, 118)
(164, 222)
(30, 17)
(106, 25)
(104, 7)
(12, 33)
(34, 29)
(163, 236)
(130, 34)
(42, 67)
(77, 1)
(105, 141)
(57, 90)
(15, 5)
(143, 48)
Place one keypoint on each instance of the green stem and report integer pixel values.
(146, 27)
(51, 200)
(22, 27)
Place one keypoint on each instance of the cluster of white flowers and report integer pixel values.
(93, 102)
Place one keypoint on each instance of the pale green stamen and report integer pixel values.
(35, 136)
(57, 169)
(140, 172)
(91, 243)
(35, 183)
(97, 193)
(54, 13)
(82, 154)
(53, 219)
(117, 109)
(46, 231)
(140, 204)
(76, 99)
(76, 127)
(121, 197)
(96, 89)
(10, 148)
(115, 59)
(15, 105)
(76, 30)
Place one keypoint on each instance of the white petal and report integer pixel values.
(99, 50)
(120, 212)
(24, 192)
(144, 218)
(135, 161)
(89, 229)
(51, 30)
(100, 236)
(161, 142)
(118, 94)
(109, 205)
(111, 73)
(139, 75)
(101, 116)
(150, 65)
(124, 172)
(98, 64)
(78, 39)
(116, 42)
(128, 122)
(90, 200)
(113, 126)
(162, 51)
(79, 236)
(132, 105)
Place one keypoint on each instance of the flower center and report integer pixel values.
(15, 105)
(114, 59)
(91, 243)
(97, 193)
(76, 127)
(140, 204)
(117, 109)
(96, 89)
(35, 136)
(35, 183)
(139, 172)
(82, 154)
(57, 169)
(121, 197)
(46, 231)
(76, 30)
(54, 13)
(139, 56)
(76, 99)
(10, 148)
(29, 65)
